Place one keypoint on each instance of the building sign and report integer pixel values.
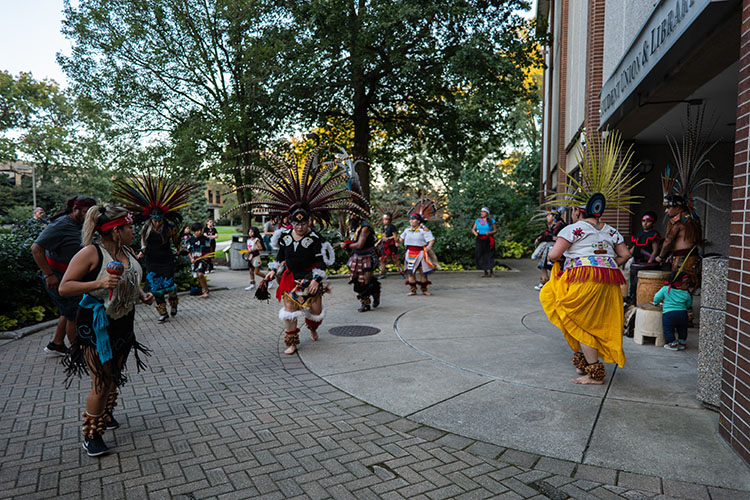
(667, 23)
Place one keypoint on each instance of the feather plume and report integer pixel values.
(604, 169)
(143, 195)
(318, 187)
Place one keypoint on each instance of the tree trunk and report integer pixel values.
(360, 118)
(362, 145)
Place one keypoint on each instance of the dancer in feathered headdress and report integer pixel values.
(306, 195)
(683, 226)
(419, 240)
(585, 301)
(156, 200)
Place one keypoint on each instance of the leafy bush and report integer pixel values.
(28, 302)
(18, 214)
(511, 249)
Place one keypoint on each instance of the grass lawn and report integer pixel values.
(225, 233)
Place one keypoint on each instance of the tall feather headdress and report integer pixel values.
(425, 208)
(690, 156)
(318, 188)
(154, 195)
(604, 175)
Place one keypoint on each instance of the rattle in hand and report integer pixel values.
(115, 268)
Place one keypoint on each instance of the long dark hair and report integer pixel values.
(87, 201)
(255, 233)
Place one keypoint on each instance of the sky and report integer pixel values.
(30, 38)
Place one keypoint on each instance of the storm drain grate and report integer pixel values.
(353, 331)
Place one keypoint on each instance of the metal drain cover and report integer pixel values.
(353, 331)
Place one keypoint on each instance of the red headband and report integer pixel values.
(84, 204)
(647, 217)
(121, 221)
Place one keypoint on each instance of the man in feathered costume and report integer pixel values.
(585, 300)
(306, 196)
(684, 234)
(156, 200)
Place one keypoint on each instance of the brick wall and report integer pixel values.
(562, 102)
(734, 422)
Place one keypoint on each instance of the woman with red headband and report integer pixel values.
(109, 276)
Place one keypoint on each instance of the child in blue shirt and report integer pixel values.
(677, 300)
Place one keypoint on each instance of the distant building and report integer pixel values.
(14, 171)
(214, 198)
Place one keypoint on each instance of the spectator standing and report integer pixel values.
(52, 251)
(210, 232)
(484, 246)
(39, 217)
(269, 228)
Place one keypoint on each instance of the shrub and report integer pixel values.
(19, 273)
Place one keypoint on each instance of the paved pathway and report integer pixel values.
(221, 413)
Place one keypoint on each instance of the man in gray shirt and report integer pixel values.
(52, 251)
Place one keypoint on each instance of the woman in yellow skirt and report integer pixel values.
(585, 300)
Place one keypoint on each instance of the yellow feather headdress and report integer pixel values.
(603, 170)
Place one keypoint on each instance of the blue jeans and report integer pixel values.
(674, 320)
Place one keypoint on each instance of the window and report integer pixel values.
(218, 198)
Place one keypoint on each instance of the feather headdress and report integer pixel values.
(425, 209)
(605, 179)
(690, 157)
(318, 188)
(155, 197)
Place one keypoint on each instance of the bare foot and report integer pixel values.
(425, 292)
(291, 349)
(204, 296)
(586, 380)
(410, 294)
(492, 275)
(579, 371)
(314, 335)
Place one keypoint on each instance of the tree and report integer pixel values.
(194, 73)
(438, 75)
(63, 137)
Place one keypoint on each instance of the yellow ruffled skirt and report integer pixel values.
(586, 311)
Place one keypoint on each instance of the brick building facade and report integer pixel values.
(645, 63)
(734, 423)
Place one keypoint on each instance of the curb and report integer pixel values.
(28, 330)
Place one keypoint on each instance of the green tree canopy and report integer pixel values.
(193, 75)
(437, 77)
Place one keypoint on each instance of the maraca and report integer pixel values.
(115, 268)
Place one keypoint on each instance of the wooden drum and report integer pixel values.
(649, 282)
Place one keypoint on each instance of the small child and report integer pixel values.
(198, 247)
(254, 246)
(677, 300)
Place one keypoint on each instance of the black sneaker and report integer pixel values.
(164, 317)
(113, 423)
(94, 446)
(375, 301)
(173, 312)
(57, 349)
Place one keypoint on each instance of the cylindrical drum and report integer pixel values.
(649, 282)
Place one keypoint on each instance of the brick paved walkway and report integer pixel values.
(221, 413)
